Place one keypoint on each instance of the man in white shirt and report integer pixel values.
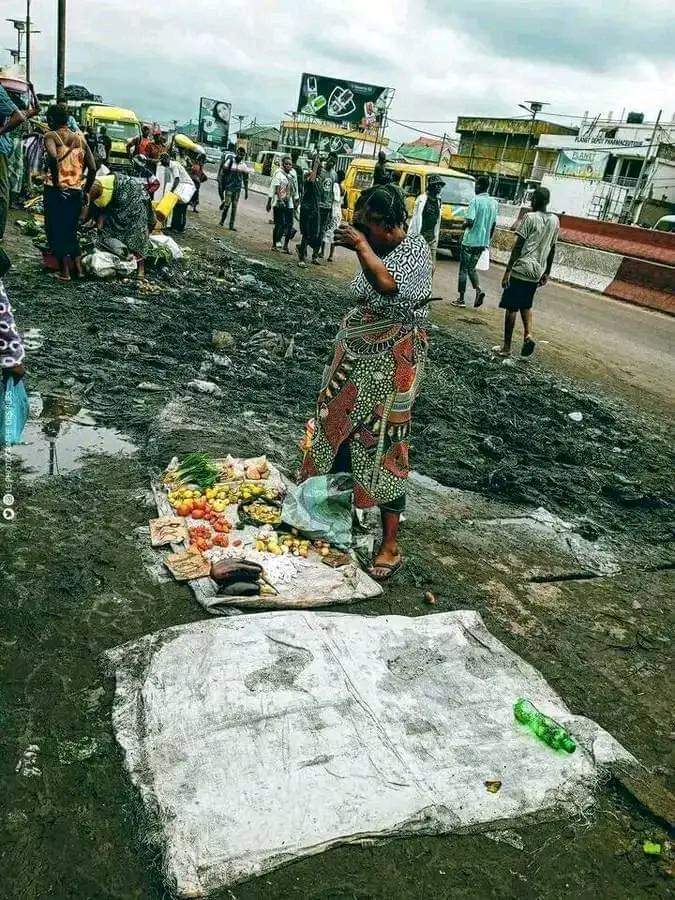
(174, 177)
(283, 195)
(528, 268)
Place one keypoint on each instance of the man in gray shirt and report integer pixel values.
(528, 268)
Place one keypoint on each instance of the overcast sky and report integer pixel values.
(444, 57)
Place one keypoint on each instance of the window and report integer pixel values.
(118, 131)
(457, 190)
(412, 185)
(363, 179)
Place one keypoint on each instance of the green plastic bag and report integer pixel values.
(321, 508)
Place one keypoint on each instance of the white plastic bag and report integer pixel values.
(100, 263)
(164, 240)
(483, 263)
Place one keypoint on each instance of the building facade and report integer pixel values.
(615, 171)
(503, 148)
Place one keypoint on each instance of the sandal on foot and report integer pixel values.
(529, 346)
(391, 570)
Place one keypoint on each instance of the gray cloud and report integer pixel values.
(592, 35)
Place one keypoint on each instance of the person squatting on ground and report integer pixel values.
(528, 268)
(426, 217)
(10, 118)
(479, 226)
(124, 213)
(364, 408)
(232, 177)
(68, 158)
(310, 216)
(281, 200)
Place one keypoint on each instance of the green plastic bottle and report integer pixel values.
(546, 729)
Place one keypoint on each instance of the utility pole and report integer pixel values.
(61, 49)
(534, 106)
(637, 195)
(27, 40)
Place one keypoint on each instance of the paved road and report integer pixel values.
(628, 350)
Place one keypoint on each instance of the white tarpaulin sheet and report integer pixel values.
(260, 739)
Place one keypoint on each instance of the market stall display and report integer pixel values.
(235, 550)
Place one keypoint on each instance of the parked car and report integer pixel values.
(458, 190)
(665, 223)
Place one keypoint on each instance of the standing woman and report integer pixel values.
(336, 218)
(364, 408)
(68, 157)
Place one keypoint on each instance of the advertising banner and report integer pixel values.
(214, 122)
(582, 163)
(349, 102)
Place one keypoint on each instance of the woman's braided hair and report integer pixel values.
(385, 204)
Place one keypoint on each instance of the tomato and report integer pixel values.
(183, 510)
(197, 513)
(202, 503)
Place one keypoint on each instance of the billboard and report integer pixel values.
(348, 102)
(582, 163)
(214, 122)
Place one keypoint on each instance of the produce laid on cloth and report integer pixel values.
(232, 510)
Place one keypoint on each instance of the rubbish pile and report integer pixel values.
(233, 540)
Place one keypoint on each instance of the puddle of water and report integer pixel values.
(54, 448)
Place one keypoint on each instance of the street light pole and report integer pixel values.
(61, 49)
(534, 107)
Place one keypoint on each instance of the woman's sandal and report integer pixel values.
(392, 569)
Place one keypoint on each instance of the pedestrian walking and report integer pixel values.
(281, 202)
(198, 177)
(310, 216)
(479, 226)
(336, 217)
(299, 174)
(426, 217)
(68, 158)
(232, 177)
(528, 268)
(327, 180)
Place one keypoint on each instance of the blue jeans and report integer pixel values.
(468, 259)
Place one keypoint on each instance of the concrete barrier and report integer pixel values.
(638, 281)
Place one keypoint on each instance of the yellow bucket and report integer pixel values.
(185, 143)
(165, 206)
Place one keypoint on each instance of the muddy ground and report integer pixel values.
(73, 581)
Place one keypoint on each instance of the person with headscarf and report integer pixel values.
(68, 159)
(364, 407)
(124, 213)
(12, 351)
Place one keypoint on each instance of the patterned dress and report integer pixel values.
(364, 408)
(12, 352)
(129, 216)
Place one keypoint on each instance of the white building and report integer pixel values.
(597, 174)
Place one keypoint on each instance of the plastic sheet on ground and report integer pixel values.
(261, 739)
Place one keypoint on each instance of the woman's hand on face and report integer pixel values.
(349, 237)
